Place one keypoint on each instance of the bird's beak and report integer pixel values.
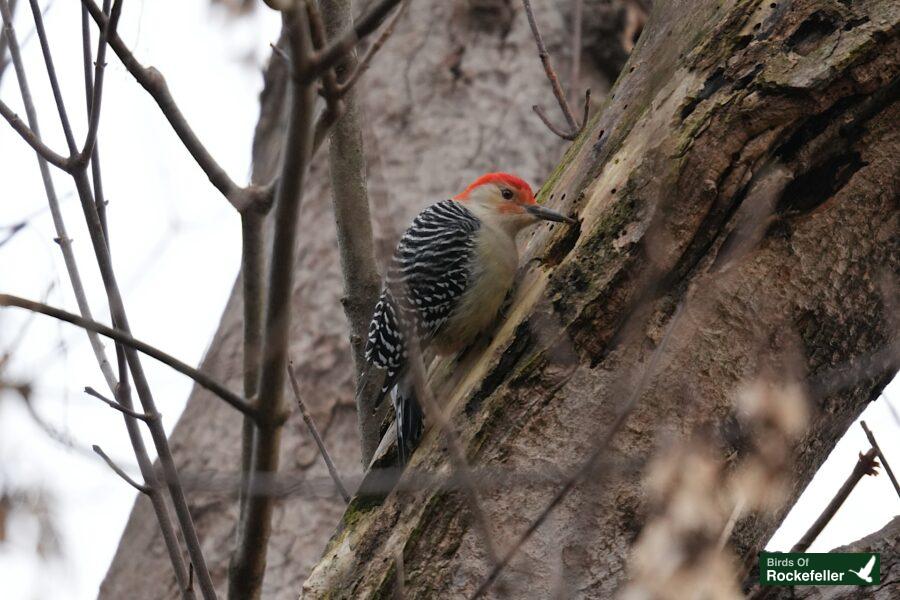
(548, 215)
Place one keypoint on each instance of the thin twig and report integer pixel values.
(577, 26)
(366, 61)
(115, 405)
(241, 198)
(32, 139)
(141, 488)
(155, 489)
(881, 457)
(280, 53)
(546, 120)
(96, 179)
(155, 84)
(234, 400)
(311, 425)
(548, 67)
(334, 106)
(28, 132)
(99, 69)
(865, 465)
(574, 128)
(51, 75)
(3, 40)
(317, 29)
(343, 43)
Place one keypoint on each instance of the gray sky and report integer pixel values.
(176, 245)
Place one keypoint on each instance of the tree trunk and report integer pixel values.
(737, 195)
(447, 98)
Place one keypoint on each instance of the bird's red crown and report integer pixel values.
(504, 179)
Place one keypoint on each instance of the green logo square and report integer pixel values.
(798, 568)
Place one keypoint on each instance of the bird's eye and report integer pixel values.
(506, 193)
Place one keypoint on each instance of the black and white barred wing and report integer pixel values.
(428, 275)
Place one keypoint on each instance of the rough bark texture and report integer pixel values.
(447, 98)
(745, 169)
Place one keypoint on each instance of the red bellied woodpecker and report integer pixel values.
(446, 283)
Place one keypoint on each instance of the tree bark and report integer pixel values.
(447, 98)
(744, 176)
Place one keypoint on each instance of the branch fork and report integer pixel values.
(573, 128)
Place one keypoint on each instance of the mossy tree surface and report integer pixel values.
(746, 171)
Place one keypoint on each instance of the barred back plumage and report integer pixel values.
(429, 273)
(446, 284)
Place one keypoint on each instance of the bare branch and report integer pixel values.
(248, 562)
(115, 405)
(866, 465)
(32, 139)
(349, 193)
(575, 128)
(548, 67)
(317, 29)
(345, 42)
(277, 51)
(252, 273)
(884, 462)
(99, 70)
(141, 488)
(155, 84)
(126, 338)
(577, 26)
(543, 115)
(366, 61)
(96, 179)
(51, 75)
(4, 42)
(311, 425)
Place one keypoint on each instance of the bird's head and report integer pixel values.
(507, 201)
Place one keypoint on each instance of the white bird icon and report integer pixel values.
(866, 572)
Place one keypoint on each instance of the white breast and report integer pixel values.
(491, 278)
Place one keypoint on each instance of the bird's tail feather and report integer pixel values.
(409, 418)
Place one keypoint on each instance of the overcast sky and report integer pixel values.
(176, 244)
